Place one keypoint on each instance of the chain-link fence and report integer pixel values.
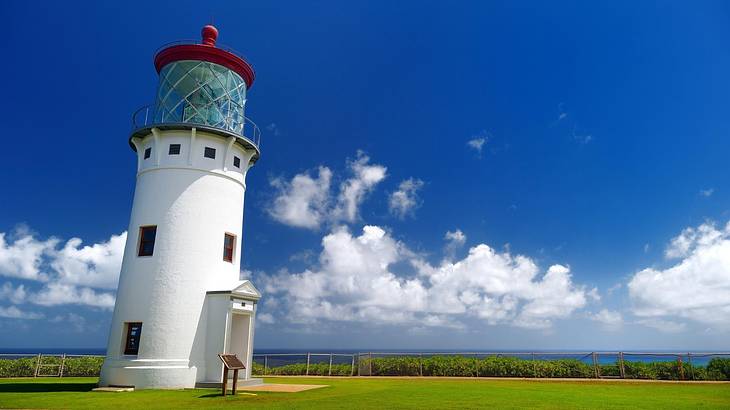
(605, 365)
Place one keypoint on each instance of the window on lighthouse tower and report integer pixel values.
(229, 242)
(147, 240)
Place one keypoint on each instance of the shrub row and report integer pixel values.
(298, 369)
(73, 366)
(717, 368)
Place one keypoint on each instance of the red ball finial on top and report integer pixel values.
(210, 34)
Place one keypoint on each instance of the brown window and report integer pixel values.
(147, 240)
(229, 241)
(131, 345)
(209, 153)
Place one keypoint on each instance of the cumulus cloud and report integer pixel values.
(22, 257)
(16, 295)
(696, 286)
(95, 265)
(404, 201)
(355, 281)
(12, 312)
(54, 294)
(354, 190)
(70, 274)
(302, 202)
(610, 319)
(307, 202)
(454, 240)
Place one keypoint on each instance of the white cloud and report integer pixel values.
(267, 318)
(16, 295)
(303, 202)
(666, 326)
(22, 258)
(707, 192)
(477, 144)
(354, 190)
(95, 265)
(696, 287)
(12, 312)
(455, 238)
(69, 275)
(54, 294)
(611, 320)
(354, 282)
(405, 200)
(306, 202)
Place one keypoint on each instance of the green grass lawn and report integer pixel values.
(364, 393)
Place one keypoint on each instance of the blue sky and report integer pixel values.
(587, 140)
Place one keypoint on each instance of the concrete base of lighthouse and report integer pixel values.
(146, 374)
(225, 325)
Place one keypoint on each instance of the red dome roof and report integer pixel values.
(206, 51)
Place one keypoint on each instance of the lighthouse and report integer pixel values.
(180, 300)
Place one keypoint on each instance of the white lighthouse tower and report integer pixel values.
(180, 301)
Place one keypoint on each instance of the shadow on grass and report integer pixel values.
(45, 387)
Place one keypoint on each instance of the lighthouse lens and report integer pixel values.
(200, 92)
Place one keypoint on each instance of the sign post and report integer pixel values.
(230, 362)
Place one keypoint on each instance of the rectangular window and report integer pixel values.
(209, 152)
(174, 149)
(147, 240)
(229, 242)
(147, 153)
(131, 345)
(236, 162)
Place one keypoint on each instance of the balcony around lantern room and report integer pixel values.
(243, 128)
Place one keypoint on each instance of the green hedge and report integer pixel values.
(73, 366)
(493, 366)
(298, 369)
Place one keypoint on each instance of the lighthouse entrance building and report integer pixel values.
(180, 300)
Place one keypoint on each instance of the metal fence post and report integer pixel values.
(681, 367)
(691, 370)
(621, 368)
(330, 371)
(266, 364)
(308, 356)
(370, 363)
(534, 366)
(476, 361)
(420, 364)
(38, 364)
(352, 369)
(595, 365)
(63, 362)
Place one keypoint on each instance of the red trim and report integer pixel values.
(201, 52)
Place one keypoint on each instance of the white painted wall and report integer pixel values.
(194, 201)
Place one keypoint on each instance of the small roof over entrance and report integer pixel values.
(243, 289)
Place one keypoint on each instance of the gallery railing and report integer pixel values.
(151, 115)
